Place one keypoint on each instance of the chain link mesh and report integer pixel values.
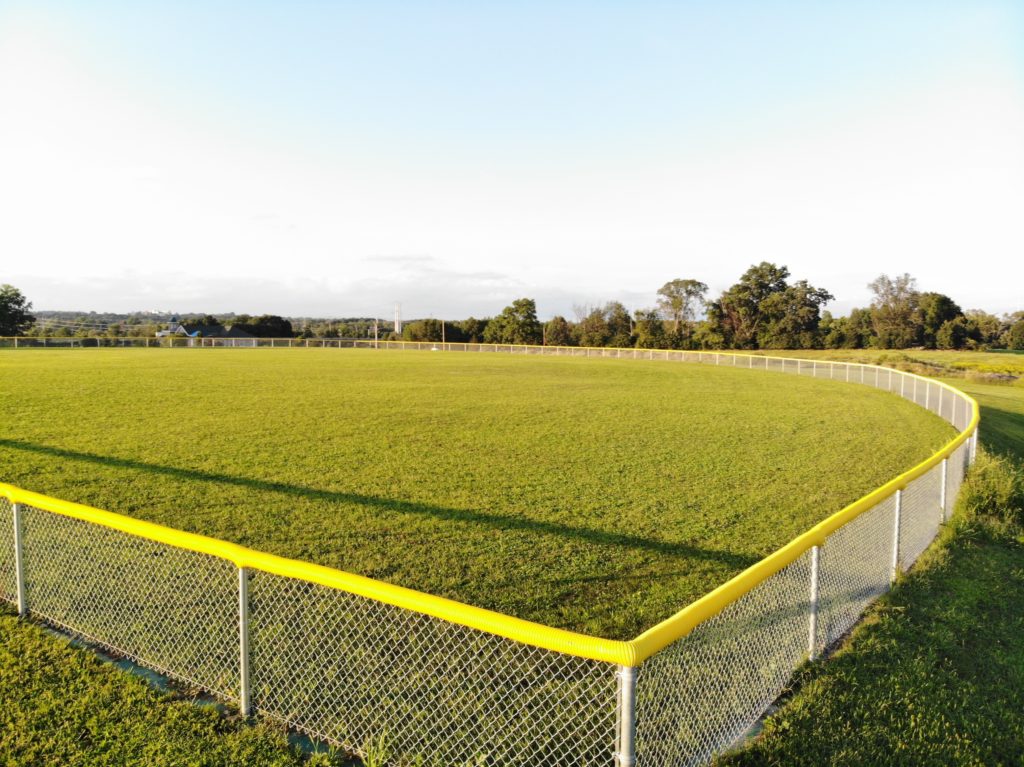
(957, 464)
(854, 570)
(8, 586)
(698, 695)
(920, 516)
(166, 608)
(352, 670)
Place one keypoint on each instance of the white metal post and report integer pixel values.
(625, 752)
(812, 628)
(244, 701)
(19, 562)
(896, 538)
(942, 491)
(973, 452)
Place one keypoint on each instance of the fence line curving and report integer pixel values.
(356, 661)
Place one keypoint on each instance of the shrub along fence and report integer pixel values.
(356, 661)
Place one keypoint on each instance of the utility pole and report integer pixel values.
(376, 343)
(398, 319)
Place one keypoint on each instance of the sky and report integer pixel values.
(334, 159)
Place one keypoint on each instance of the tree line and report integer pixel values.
(764, 309)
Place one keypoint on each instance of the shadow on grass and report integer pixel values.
(502, 522)
(1002, 431)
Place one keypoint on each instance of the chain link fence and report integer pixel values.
(416, 680)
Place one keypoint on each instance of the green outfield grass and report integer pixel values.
(596, 495)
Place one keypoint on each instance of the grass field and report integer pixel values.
(935, 673)
(596, 495)
(61, 706)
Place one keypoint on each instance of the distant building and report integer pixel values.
(175, 328)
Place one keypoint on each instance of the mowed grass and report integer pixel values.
(61, 706)
(594, 495)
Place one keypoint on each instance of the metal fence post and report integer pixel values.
(812, 628)
(973, 452)
(625, 726)
(896, 538)
(19, 562)
(942, 491)
(244, 701)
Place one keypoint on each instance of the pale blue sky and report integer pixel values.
(330, 158)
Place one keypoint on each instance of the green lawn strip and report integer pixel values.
(62, 706)
(935, 672)
(1002, 414)
(595, 495)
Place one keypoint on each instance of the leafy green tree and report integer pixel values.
(737, 312)
(620, 325)
(591, 328)
(1015, 336)
(954, 334)
(517, 324)
(422, 330)
(265, 326)
(202, 319)
(557, 332)
(791, 317)
(985, 328)
(893, 311)
(707, 336)
(834, 331)
(681, 301)
(933, 311)
(472, 330)
(650, 330)
(861, 329)
(762, 309)
(15, 312)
